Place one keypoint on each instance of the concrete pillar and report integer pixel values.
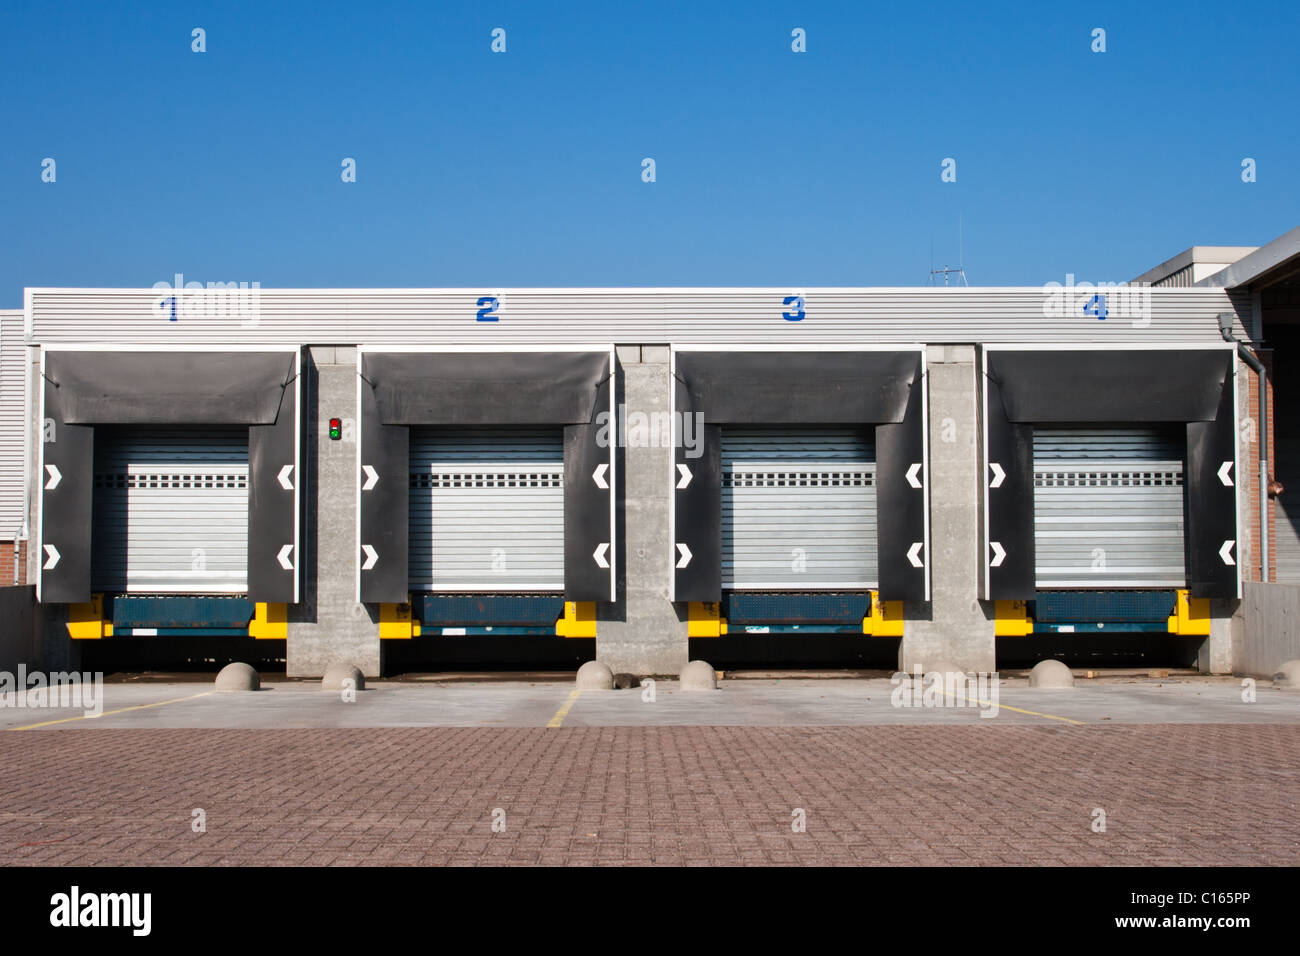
(329, 626)
(956, 626)
(1220, 652)
(645, 635)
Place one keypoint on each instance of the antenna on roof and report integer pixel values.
(960, 271)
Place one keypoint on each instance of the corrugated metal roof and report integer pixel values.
(1279, 255)
(625, 316)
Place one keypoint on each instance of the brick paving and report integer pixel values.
(1190, 794)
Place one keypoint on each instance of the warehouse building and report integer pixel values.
(898, 476)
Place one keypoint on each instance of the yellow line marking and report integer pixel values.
(1002, 706)
(109, 713)
(558, 719)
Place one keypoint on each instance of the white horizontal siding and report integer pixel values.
(579, 316)
(13, 470)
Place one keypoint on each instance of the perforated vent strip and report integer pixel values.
(1107, 479)
(163, 482)
(783, 479)
(492, 480)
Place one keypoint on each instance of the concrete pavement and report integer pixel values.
(752, 703)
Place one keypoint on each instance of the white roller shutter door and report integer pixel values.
(798, 508)
(170, 511)
(487, 509)
(1108, 507)
(1286, 511)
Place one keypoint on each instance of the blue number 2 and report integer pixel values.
(487, 309)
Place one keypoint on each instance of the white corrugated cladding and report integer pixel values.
(13, 471)
(486, 509)
(798, 508)
(170, 511)
(581, 316)
(1108, 507)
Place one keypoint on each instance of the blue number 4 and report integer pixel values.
(1096, 306)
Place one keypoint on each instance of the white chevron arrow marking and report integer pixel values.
(285, 483)
(599, 554)
(685, 555)
(998, 475)
(283, 557)
(686, 476)
(1224, 553)
(913, 555)
(52, 557)
(998, 554)
(599, 476)
(371, 557)
(1223, 473)
(911, 475)
(372, 477)
(55, 477)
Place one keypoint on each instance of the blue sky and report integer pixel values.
(524, 168)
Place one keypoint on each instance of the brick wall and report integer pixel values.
(1250, 472)
(7, 563)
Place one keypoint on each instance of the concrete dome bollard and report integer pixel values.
(238, 676)
(1287, 675)
(594, 675)
(337, 674)
(698, 675)
(1053, 674)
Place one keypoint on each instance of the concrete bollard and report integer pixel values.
(1287, 675)
(594, 675)
(336, 674)
(698, 675)
(1052, 674)
(237, 677)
